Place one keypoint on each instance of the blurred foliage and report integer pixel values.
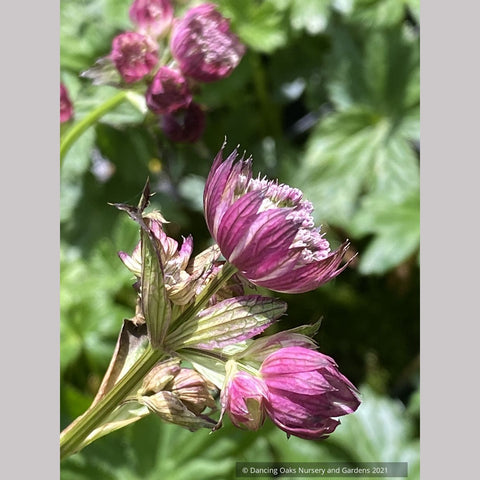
(326, 99)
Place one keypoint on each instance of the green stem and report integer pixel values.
(269, 110)
(73, 437)
(79, 128)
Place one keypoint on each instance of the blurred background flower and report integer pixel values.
(326, 99)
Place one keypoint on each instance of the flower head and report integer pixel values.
(134, 55)
(185, 125)
(168, 92)
(204, 46)
(243, 398)
(305, 391)
(152, 17)
(266, 229)
(66, 107)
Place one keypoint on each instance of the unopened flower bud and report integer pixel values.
(185, 125)
(171, 409)
(204, 46)
(160, 376)
(134, 55)
(152, 17)
(305, 391)
(243, 398)
(167, 92)
(193, 390)
(178, 395)
(66, 107)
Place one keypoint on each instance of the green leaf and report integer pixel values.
(397, 230)
(365, 148)
(87, 29)
(310, 15)
(379, 431)
(378, 69)
(261, 26)
(378, 13)
(351, 153)
(96, 295)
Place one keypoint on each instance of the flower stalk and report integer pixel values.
(72, 439)
(72, 135)
(75, 436)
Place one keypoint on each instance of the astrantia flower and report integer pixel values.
(152, 17)
(134, 55)
(66, 107)
(243, 398)
(204, 46)
(168, 92)
(185, 125)
(266, 229)
(306, 391)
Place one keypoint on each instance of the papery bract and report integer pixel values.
(306, 391)
(134, 55)
(66, 106)
(185, 125)
(152, 17)
(204, 46)
(266, 229)
(181, 285)
(167, 92)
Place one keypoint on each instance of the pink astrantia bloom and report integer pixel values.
(266, 229)
(66, 107)
(185, 125)
(134, 55)
(243, 399)
(204, 46)
(306, 391)
(152, 17)
(168, 92)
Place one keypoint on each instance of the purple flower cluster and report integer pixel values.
(301, 390)
(173, 56)
(267, 237)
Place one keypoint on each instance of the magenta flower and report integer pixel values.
(266, 229)
(134, 55)
(168, 92)
(204, 46)
(244, 400)
(66, 106)
(185, 125)
(305, 390)
(152, 17)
